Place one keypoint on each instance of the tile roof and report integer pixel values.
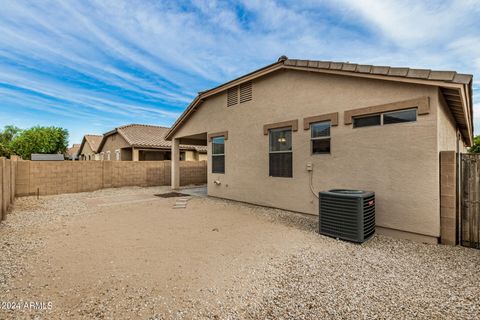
(149, 136)
(94, 141)
(73, 150)
(426, 74)
(451, 81)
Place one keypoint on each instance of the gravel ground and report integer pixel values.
(297, 274)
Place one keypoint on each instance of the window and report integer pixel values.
(102, 155)
(218, 154)
(117, 154)
(280, 155)
(320, 136)
(108, 155)
(400, 116)
(367, 121)
(409, 115)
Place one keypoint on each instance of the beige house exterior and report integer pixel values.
(398, 161)
(140, 142)
(89, 147)
(72, 152)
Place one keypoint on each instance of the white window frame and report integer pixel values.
(108, 155)
(219, 154)
(270, 151)
(320, 138)
(117, 154)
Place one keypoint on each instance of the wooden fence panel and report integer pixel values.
(470, 200)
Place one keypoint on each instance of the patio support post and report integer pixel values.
(135, 154)
(175, 163)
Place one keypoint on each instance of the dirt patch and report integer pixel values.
(124, 253)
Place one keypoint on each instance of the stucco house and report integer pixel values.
(141, 142)
(72, 152)
(89, 147)
(365, 127)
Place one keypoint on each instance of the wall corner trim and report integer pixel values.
(291, 123)
(332, 117)
(422, 103)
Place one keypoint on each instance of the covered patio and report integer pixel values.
(200, 139)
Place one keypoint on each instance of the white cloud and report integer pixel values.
(147, 59)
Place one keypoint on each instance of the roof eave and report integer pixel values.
(466, 101)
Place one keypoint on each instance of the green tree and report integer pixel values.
(476, 145)
(40, 140)
(6, 137)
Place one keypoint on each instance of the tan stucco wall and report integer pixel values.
(446, 128)
(399, 162)
(115, 142)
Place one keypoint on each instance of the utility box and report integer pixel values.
(347, 214)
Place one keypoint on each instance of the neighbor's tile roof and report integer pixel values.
(93, 141)
(73, 150)
(148, 136)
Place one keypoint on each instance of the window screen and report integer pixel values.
(320, 132)
(400, 116)
(367, 121)
(218, 155)
(280, 155)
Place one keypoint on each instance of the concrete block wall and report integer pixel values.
(448, 197)
(56, 177)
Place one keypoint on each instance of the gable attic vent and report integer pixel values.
(232, 96)
(246, 92)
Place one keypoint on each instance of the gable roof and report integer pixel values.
(92, 140)
(146, 136)
(455, 87)
(73, 150)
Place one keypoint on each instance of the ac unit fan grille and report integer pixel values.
(347, 215)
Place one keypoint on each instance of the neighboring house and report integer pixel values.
(139, 142)
(72, 152)
(46, 157)
(358, 127)
(89, 147)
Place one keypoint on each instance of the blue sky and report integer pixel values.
(89, 66)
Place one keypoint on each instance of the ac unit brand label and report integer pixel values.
(371, 202)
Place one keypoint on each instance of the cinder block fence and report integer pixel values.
(56, 177)
(22, 178)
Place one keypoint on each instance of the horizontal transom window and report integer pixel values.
(401, 116)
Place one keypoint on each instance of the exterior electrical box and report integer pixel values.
(347, 214)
